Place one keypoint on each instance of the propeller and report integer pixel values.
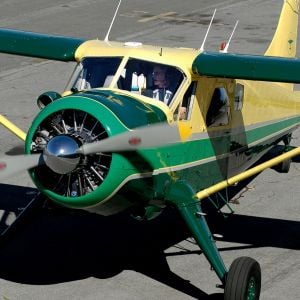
(10, 165)
(62, 154)
(143, 137)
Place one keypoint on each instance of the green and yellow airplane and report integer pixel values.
(167, 126)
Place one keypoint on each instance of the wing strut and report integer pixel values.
(244, 175)
(13, 128)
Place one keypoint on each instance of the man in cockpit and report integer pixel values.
(161, 80)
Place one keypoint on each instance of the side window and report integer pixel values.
(218, 111)
(184, 110)
(238, 96)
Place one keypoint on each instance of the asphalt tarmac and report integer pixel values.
(55, 254)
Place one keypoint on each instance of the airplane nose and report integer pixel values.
(58, 132)
(60, 154)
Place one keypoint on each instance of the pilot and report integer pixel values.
(161, 80)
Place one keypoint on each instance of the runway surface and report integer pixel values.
(58, 255)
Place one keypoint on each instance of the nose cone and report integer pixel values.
(60, 154)
(62, 146)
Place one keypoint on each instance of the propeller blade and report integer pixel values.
(10, 165)
(143, 137)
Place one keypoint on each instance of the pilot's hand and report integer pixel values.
(182, 113)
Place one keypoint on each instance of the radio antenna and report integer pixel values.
(202, 46)
(112, 22)
(225, 49)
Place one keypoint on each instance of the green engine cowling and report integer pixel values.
(85, 118)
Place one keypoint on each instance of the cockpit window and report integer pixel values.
(156, 81)
(93, 72)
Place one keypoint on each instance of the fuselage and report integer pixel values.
(230, 123)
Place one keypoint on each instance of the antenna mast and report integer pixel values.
(111, 24)
(227, 44)
(202, 46)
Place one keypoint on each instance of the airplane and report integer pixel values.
(108, 143)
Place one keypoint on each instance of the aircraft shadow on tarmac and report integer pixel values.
(58, 245)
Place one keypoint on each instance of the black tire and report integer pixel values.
(243, 280)
(287, 139)
(284, 166)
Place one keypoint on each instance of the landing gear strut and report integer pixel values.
(243, 280)
(285, 165)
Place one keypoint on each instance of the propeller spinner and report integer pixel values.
(60, 154)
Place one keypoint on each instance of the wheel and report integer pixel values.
(284, 166)
(287, 139)
(243, 280)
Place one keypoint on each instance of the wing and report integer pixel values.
(38, 45)
(251, 67)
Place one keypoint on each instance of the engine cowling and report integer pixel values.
(63, 126)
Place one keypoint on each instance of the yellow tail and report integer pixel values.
(284, 42)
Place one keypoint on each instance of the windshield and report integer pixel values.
(156, 81)
(93, 72)
(153, 80)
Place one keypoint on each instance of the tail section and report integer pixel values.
(285, 38)
(284, 42)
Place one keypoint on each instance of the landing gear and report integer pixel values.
(284, 166)
(243, 280)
